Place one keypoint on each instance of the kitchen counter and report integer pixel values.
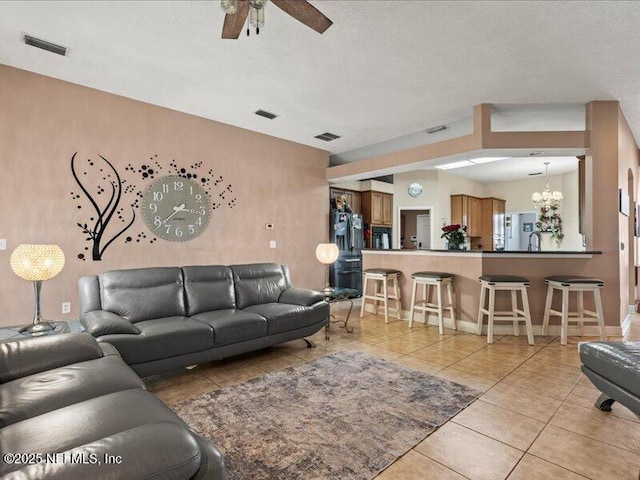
(467, 266)
(487, 253)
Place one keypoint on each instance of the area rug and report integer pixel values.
(345, 416)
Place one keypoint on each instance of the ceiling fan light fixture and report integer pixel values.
(230, 7)
(257, 4)
(256, 17)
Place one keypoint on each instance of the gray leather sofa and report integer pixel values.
(614, 368)
(165, 318)
(68, 395)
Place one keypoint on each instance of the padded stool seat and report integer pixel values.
(383, 271)
(573, 283)
(504, 279)
(434, 275)
(381, 277)
(430, 281)
(489, 285)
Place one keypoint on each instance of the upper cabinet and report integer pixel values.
(467, 210)
(483, 217)
(353, 199)
(377, 208)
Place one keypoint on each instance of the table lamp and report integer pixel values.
(327, 253)
(37, 263)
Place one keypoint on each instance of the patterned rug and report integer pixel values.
(345, 416)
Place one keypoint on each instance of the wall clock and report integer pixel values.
(415, 189)
(176, 209)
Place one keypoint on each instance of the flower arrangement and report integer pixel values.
(550, 221)
(454, 234)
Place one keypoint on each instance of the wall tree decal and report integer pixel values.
(97, 232)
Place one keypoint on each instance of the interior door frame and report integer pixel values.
(399, 229)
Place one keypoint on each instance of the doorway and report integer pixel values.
(519, 228)
(415, 228)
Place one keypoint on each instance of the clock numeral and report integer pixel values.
(165, 188)
(153, 207)
(198, 198)
(192, 230)
(178, 232)
(190, 189)
(168, 227)
(157, 221)
(199, 221)
(158, 196)
(178, 186)
(201, 212)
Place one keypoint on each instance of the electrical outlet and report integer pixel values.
(272, 244)
(66, 307)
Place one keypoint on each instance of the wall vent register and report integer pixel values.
(327, 137)
(265, 114)
(44, 45)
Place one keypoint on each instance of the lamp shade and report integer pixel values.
(327, 253)
(37, 262)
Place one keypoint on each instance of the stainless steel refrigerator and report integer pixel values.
(347, 231)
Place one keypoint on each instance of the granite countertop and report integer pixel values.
(546, 252)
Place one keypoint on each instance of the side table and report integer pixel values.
(62, 326)
(341, 295)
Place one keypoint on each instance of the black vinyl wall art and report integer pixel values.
(110, 195)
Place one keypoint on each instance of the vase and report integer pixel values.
(453, 245)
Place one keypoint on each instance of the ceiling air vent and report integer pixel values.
(535, 173)
(265, 114)
(439, 128)
(327, 137)
(44, 45)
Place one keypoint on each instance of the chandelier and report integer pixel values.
(547, 200)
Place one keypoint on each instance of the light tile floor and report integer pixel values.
(535, 420)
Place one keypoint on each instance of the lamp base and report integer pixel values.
(41, 328)
(327, 291)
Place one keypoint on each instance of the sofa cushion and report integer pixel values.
(143, 293)
(283, 317)
(162, 338)
(46, 391)
(84, 422)
(258, 283)
(208, 288)
(232, 326)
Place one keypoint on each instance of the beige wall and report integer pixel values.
(44, 121)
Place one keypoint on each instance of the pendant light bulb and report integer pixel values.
(230, 7)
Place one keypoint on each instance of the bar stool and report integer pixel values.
(566, 285)
(511, 283)
(428, 280)
(381, 278)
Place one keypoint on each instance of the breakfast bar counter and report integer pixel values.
(467, 266)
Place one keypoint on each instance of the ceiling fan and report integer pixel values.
(237, 12)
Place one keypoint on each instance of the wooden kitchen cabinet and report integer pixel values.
(493, 228)
(467, 210)
(354, 199)
(377, 208)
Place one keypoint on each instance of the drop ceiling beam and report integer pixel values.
(482, 139)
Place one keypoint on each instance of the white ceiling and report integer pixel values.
(385, 69)
(516, 168)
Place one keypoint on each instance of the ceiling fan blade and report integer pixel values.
(233, 23)
(306, 13)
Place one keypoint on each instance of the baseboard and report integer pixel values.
(507, 329)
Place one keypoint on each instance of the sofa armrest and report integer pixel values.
(300, 296)
(101, 322)
(156, 450)
(22, 358)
